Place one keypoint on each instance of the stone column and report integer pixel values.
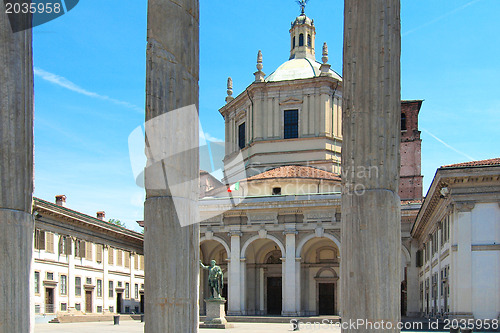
(290, 275)
(234, 292)
(16, 177)
(461, 307)
(371, 223)
(172, 250)
(105, 279)
(412, 287)
(71, 277)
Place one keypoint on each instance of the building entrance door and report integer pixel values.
(274, 294)
(49, 300)
(119, 302)
(88, 301)
(224, 294)
(142, 303)
(326, 298)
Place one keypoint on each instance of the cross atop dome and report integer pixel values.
(302, 4)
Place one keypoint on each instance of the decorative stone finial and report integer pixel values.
(259, 61)
(229, 97)
(325, 67)
(325, 53)
(259, 75)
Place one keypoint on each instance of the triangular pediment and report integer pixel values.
(291, 100)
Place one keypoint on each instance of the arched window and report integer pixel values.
(301, 40)
(309, 40)
(293, 42)
(403, 122)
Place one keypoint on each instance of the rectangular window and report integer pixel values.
(136, 262)
(39, 240)
(50, 276)
(64, 285)
(110, 291)
(98, 253)
(37, 308)
(241, 136)
(111, 258)
(142, 286)
(37, 282)
(127, 290)
(136, 291)
(127, 259)
(64, 245)
(141, 264)
(88, 251)
(78, 286)
(99, 309)
(89, 281)
(64, 306)
(119, 284)
(291, 124)
(79, 249)
(78, 307)
(111, 309)
(49, 242)
(119, 258)
(99, 288)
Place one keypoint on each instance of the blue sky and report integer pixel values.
(90, 84)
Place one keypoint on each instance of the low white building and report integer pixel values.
(458, 233)
(83, 264)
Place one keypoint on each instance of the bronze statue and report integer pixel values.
(215, 277)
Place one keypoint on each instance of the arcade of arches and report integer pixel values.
(263, 275)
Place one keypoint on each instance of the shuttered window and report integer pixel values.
(49, 242)
(111, 257)
(127, 259)
(98, 253)
(88, 251)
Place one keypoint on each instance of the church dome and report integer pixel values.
(296, 69)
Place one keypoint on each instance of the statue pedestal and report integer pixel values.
(216, 316)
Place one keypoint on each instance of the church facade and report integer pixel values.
(276, 231)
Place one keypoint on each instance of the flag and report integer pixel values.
(234, 187)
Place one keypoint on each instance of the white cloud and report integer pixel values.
(449, 146)
(65, 83)
(439, 18)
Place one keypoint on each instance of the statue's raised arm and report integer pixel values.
(203, 266)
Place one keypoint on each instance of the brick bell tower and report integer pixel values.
(410, 184)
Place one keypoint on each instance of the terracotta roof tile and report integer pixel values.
(295, 171)
(492, 161)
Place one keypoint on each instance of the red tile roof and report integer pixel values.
(296, 171)
(492, 161)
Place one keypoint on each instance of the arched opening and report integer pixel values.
(309, 40)
(320, 270)
(293, 42)
(403, 121)
(301, 40)
(264, 288)
(212, 249)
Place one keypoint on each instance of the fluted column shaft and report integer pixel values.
(371, 224)
(171, 250)
(16, 177)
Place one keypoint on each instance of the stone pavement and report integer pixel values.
(136, 327)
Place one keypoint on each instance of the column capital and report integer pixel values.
(290, 232)
(464, 206)
(235, 233)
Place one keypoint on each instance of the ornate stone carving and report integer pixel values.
(463, 207)
(257, 218)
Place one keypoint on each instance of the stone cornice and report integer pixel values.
(466, 179)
